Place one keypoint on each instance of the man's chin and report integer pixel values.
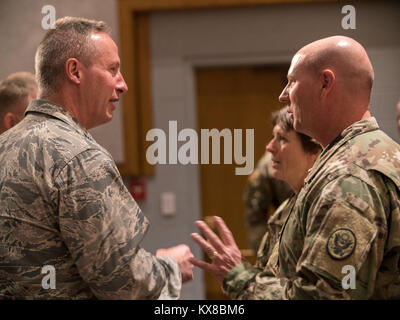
(109, 114)
(109, 117)
(300, 129)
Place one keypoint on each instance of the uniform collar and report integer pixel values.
(347, 134)
(56, 111)
(353, 130)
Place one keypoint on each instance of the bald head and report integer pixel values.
(329, 87)
(345, 57)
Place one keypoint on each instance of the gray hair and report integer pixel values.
(14, 89)
(69, 39)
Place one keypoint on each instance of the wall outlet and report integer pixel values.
(168, 204)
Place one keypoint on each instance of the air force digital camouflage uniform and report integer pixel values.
(348, 213)
(63, 203)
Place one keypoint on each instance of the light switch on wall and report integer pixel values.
(168, 204)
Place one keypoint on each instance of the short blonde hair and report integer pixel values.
(14, 89)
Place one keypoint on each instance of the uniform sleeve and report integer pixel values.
(245, 282)
(102, 226)
(345, 234)
(260, 282)
(345, 237)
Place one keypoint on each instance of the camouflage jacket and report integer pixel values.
(263, 195)
(63, 204)
(274, 227)
(344, 225)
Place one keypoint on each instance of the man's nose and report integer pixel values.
(122, 87)
(283, 97)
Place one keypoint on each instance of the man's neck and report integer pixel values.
(66, 100)
(330, 134)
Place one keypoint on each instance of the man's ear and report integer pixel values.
(327, 80)
(73, 70)
(10, 120)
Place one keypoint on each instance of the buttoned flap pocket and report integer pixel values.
(344, 238)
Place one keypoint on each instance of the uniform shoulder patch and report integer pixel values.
(341, 243)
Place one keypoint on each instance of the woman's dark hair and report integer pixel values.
(285, 121)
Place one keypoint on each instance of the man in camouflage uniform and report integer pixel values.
(347, 215)
(263, 196)
(62, 200)
(16, 91)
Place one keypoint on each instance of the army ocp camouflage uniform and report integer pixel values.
(346, 215)
(274, 227)
(63, 203)
(263, 195)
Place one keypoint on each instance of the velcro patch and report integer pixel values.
(341, 243)
(344, 237)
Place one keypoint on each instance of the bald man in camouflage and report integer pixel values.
(63, 205)
(347, 215)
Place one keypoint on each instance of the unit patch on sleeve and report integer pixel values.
(341, 243)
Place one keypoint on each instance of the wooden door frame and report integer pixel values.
(136, 64)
